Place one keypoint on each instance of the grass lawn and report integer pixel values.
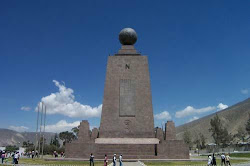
(187, 163)
(246, 155)
(43, 162)
(100, 163)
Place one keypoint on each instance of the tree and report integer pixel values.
(67, 136)
(55, 141)
(11, 148)
(75, 130)
(248, 125)
(187, 138)
(203, 141)
(219, 133)
(200, 141)
(241, 134)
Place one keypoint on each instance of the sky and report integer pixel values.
(56, 52)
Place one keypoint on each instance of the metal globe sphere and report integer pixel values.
(128, 36)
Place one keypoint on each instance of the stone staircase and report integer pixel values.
(128, 151)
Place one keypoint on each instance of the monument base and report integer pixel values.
(163, 146)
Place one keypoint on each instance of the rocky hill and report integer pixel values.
(10, 137)
(233, 117)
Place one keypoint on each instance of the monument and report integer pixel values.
(127, 122)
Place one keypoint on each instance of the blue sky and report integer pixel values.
(198, 56)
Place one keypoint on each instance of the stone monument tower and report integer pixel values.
(127, 104)
(127, 122)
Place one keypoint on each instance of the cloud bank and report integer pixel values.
(193, 118)
(60, 126)
(189, 110)
(163, 116)
(221, 106)
(63, 102)
(25, 108)
(244, 91)
(19, 128)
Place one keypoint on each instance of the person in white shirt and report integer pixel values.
(223, 157)
(16, 158)
(209, 163)
(120, 159)
(228, 159)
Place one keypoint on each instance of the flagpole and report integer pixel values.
(37, 126)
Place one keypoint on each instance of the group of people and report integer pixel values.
(91, 160)
(225, 160)
(4, 156)
(32, 154)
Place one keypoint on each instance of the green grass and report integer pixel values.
(188, 163)
(247, 155)
(58, 162)
(100, 163)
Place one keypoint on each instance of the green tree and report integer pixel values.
(55, 141)
(241, 134)
(203, 141)
(248, 125)
(219, 133)
(200, 141)
(187, 138)
(67, 136)
(75, 130)
(11, 148)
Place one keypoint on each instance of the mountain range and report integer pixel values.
(232, 118)
(10, 137)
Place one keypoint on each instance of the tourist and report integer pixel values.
(120, 159)
(223, 159)
(36, 154)
(105, 160)
(209, 162)
(3, 157)
(91, 159)
(16, 158)
(228, 160)
(114, 160)
(213, 160)
(33, 154)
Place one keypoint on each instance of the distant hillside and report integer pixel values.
(10, 137)
(232, 118)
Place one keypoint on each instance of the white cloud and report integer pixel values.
(19, 128)
(193, 118)
(60, 126)
(63, 102)
(163, 115)
(244, 91)
(25, 108)
(221, 106)
(189, 110)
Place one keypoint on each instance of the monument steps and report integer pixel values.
(110, 157)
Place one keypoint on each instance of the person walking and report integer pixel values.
(209, 162)
(105, 160)
(16, 158)
(91, 159)
(223, 159)
(228, 160)
(3, 157)
(120, 159)
(114, 160)
(214, 160)
(33, 154)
